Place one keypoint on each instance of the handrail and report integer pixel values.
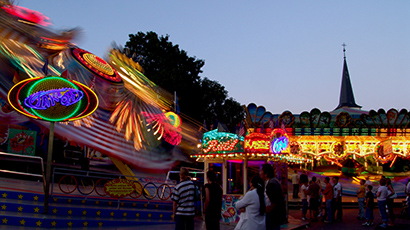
(24, 158)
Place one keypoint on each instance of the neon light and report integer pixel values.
(52, 99)
(51, 82)
(280, 144)
(215, 146)
(172, 137)
(338, 150)
(27, 14)
(280, 140)
(45, 99)
(173, 118)
(96, 65)
(257, 142)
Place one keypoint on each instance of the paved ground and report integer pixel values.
(349, 222)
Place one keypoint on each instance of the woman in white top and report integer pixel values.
(381, 201)
(303, 194)
(253, 204)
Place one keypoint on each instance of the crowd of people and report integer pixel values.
(331, 209)
(312, 195)
(263, 206)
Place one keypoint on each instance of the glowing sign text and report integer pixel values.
(257, 143)
(215, 146)
(254, 144)
(45, 99)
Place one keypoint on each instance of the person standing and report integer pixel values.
(213, 202)
(320, 204)
(337, 199)
(303, 195)
(183, 197)
(253, 204)
(407, 190)
(369, 206)
(368, 182)
(295, 183)
(328, 193)
(276, 211)
(313, 191)
(381, 201)
(361, 193)
(391, 194)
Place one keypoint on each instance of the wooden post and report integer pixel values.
(48, 169)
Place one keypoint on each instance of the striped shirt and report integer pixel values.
(184, 196)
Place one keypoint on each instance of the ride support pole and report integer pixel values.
(48, 169)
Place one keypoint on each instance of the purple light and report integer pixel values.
(43, 100)
(279, 144)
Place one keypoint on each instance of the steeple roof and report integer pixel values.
(346, 92)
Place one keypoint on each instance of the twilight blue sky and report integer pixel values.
(284, 55)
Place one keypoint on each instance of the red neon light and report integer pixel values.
(257, 142)
(27, 14)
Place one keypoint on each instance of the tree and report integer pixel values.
(172, 69)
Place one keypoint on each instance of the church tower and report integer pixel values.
(346, 99)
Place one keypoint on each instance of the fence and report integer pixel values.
(93, 184)
(10, 160)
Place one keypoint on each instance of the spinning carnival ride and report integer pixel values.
(133, 123)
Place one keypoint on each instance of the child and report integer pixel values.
(369, 206)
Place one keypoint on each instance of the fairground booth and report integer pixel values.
(346, 142)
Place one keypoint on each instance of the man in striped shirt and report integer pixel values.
(183, 198)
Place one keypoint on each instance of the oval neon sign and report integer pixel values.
(53, 99)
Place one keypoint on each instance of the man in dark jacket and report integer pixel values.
(275, 203)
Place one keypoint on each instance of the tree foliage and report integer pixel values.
(172, 69)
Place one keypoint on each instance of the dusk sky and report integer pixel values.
(283, 55)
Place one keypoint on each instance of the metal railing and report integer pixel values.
(79, 184)
(8, 157)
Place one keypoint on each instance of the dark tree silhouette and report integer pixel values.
(172, 69)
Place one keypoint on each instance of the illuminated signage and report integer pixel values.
(280, 140)
(257, 143)
(221, 142)
(45, 99)
(53, 99)
(119, 188)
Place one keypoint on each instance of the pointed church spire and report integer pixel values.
(346, 92)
